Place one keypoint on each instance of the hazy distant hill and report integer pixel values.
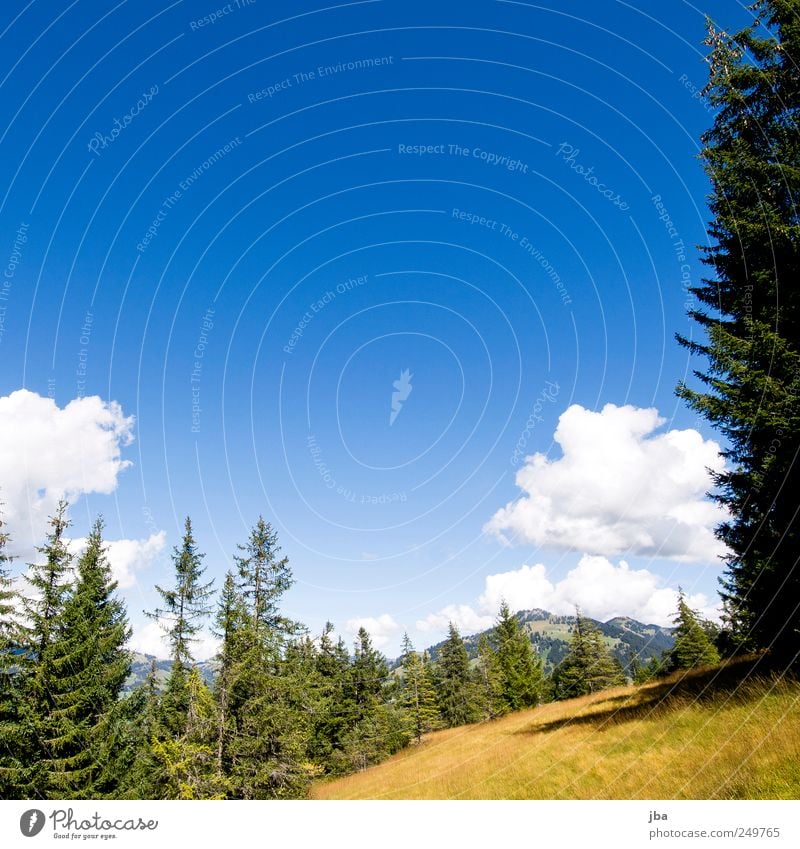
(550, 634)
(141, 666)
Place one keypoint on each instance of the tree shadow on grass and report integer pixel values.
(735, 681)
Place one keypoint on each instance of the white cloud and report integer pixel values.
(127, 556)
(48, 453)
(381, 629)
(618, 488)
(601, 590)
(464, 617)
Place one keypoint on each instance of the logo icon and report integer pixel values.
(403, 389)
(31, 822)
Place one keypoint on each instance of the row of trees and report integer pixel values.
(283, 708)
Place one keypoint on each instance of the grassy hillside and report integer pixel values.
(728, 733)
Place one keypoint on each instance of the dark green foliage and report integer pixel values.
(38, 736)
(589, 666)
(750, 312)
(489, 697)
(693, 645)
(454, 683)
(418, 691)
(10, 764)
(519, 669)
(90, 666)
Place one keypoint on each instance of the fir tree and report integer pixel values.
(589, 665)
(693, 646)
(267, 750)
(750, 311)
(10, 765)
(264, 578)
(418, 693)
(489, 681)
(49, 579)
(186, 606)
(520, 671)
(454, 682)
(90, 666)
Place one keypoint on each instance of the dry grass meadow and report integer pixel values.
(726, 733)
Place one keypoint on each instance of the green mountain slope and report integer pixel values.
(550, 635)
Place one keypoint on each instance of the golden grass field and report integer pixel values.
(726, 733)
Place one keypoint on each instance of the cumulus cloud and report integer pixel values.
(619, 488)
(381, 629)
(128, 556)
(48, 453)
(599, 588)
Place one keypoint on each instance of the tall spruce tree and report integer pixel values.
(750, 312)
(10, 764)
(455, 688)
(489, 681)
(186, 607)
(693, 646)
(418, 691)
(521, 674)
(50, 581)
(267, 750)
(90, 665)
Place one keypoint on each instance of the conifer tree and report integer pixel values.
(10, 764)
(749, 309)
(589, 665)
(264, 578)
(49, 579)
(489, 681)
(189, 761)
(693, 646)
(267, 752)
(90, 666)
(454, 682)
(418, 693)
(135, 772)
(230, 621)
(521, 675)
(186, 606)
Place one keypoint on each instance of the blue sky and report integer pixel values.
(243, 228)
